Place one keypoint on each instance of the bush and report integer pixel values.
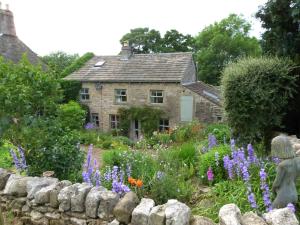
(256, 93)
(220, 131)
(186, 132)
(50, 146)
(71, 115)
(209, 159)
(6, 161)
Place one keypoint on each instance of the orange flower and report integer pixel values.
(131, 181)
(139, 183)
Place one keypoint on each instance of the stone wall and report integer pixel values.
(48, 201)
(138, 94)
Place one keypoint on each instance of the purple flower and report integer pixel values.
(16, 160)
(291, 207)
(232, 144)
(265, 189)
(97, 178)
(89, 126)
(228, 164)
(276, 160)
(210, 174)
(245, 173)
(23, 160)
(160, 175)
(20, 163)
(212, 141)
(128, 170)
(107, 175)
(251, 199)
(251, 155)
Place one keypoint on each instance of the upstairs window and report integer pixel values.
(84, 94)
(95, 119)
(156, 96)
(164, 125)
(114, 121)
(120, 95)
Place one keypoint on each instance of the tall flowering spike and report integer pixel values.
(265, 189)
(212, 141)
(210, 174)
(251, 155)
(128, 170)
(97, 178)
(232, 144)
(22, 160)
(252, 201)
(245, 173)
(228, 164)
(16, 159)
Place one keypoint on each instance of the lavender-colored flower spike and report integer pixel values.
(251, 199)
(16, 160)
(291, 207)
(212, 141)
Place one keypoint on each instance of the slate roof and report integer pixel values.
(162, 67)
(209, 92)
(12, 48)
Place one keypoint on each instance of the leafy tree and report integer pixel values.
(26, 92)
(221, 43)
(143, 40)
(174, 41)
(256, 92)
(281, 20)
(59, 61)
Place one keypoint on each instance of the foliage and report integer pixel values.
(220, 130)
(171, 186)
(148, 116)
(256, 92)
(70, 89)
(210, 159)
(58, 61)
(187, 132)
(50, 146)
(144, 40)
(5, 157)
(26, 91)
(77, 64)
(281, 22)
(71, 115)
(221, 43)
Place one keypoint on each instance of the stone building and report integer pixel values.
(166, 81)
(11, 47)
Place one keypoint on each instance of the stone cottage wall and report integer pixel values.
(138, 94)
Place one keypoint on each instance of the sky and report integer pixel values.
(80, 26)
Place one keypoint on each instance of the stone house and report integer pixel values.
(11, 47)
(166, 81)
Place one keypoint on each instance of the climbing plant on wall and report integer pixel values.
(148, 116)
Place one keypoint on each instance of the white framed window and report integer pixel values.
(156, 96)
(84, 94)
(95, 119)
(120, 95)
(164, 125)
(114, 121)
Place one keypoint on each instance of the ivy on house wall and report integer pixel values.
(148, 116)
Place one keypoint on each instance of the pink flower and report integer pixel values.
(210, 174)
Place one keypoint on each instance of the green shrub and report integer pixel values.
(208, 159)
(123, 140)
(256, 92)
(107, 144)
(171, 186)
(220, 131)
(50, 146)
(186, 132)
(6, 160)
(71, 115)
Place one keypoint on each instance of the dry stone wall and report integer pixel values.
(48, 201)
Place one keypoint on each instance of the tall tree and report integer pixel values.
(174, 41)
(221, 43)
(59, 61)
(143, 40)
(281, 20)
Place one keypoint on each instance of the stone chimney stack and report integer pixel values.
(7, 25)
(126, 51)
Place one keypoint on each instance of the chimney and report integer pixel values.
(7, 25)
(126, 51)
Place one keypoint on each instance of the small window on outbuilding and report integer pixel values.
(99, 63)
(84, 94)
(164, 125)
(95, 119)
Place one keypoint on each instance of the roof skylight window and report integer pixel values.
(100, 63)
